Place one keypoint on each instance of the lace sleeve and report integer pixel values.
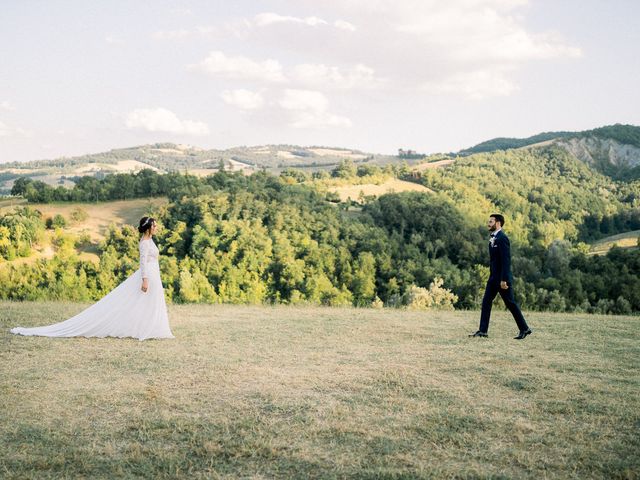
(144, 254)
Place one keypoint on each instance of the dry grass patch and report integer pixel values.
(284, 392)
(121, 166)
(99, 215)
(437, 164)
(333, 152)
(390, 186)
(11, 203)
(622, 240)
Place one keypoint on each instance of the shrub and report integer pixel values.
(436, 297)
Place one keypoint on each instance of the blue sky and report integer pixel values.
(81, 77)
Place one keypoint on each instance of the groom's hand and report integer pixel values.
(145, 284)
(503, 285)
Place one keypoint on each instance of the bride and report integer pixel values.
(135, 308)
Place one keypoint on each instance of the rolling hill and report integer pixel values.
(612, 150)
(168, 157)
(288, 238)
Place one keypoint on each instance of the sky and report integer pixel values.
(81, 76)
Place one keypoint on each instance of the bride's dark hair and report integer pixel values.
(145, 224)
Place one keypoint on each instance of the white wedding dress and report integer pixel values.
(126, 311)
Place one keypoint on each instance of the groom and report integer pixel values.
(500, 280)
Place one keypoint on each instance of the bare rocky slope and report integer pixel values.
(596, 151)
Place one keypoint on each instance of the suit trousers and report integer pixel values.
(507, 296)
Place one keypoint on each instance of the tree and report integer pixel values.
(345, 169)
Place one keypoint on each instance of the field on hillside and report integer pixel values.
(283, 392)
(11, 202)
(623, 240)
(99, 215)
(390, 186)
(98, 218)
(55, 175)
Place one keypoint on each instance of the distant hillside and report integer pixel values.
(609, 156)
(168, 157)
(613, 150)
(546, 192)
(625, 134)
(264, 238)
(505, 143)
(621, 240)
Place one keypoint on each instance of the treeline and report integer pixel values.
(506, 143)
(148, 183)
(625, 134)
(121, 186)
(597, 226)
(267, 239)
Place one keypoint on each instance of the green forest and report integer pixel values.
(285, 239)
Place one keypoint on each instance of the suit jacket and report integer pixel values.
(500, 259)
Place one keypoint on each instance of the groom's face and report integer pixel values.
(492, 224)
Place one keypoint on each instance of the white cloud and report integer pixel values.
(4, 130)
(270, 18)
(323, 76)
(315, 75)
(6, 105)
(474, 85)
(416, 42)
(344, 25)
(163, 120)
(202, 31)
(243, 99)
(181, 11)
(219, 65)
(8, 131)
(265, 19)
(303, 100)
(172, 34)
(482, 31)
(308, 109)
(113, 40)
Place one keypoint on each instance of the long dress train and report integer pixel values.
(126, 311)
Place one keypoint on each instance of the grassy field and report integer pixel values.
(622, 240)
(390, 186)
(11, 202)
(99, 217)
(284, 392)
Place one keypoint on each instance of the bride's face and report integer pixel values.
(154, 227)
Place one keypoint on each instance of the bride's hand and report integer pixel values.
(145, 284)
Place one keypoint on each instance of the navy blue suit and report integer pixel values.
(500, 271)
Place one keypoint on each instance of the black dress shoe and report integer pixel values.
(479, 334)
(523, 334)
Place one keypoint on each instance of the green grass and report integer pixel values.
(284, 392)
